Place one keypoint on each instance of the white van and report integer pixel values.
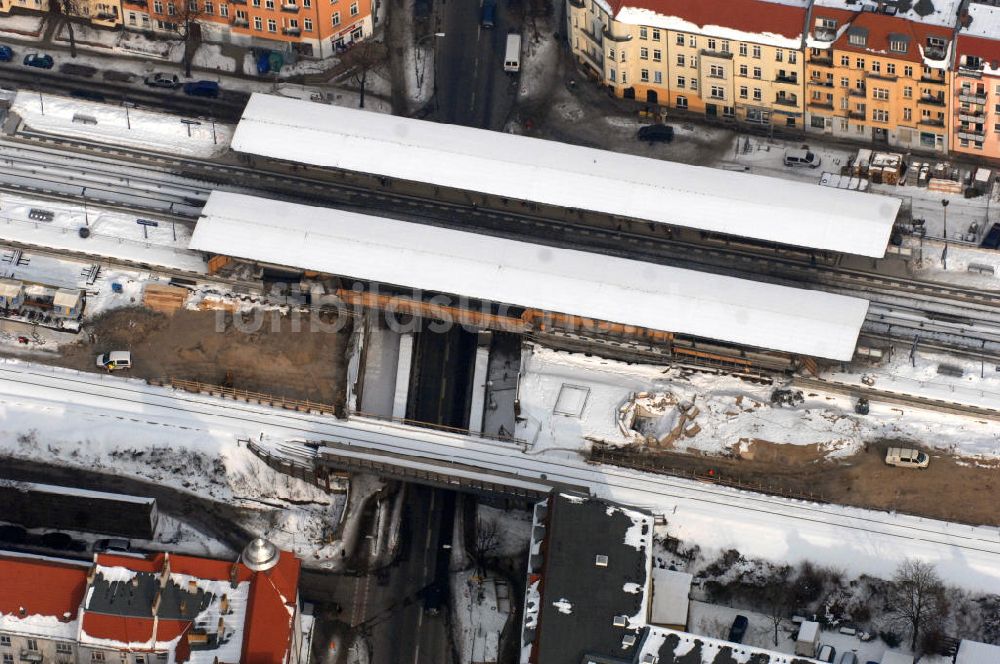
(904, 457)
(116, 360)
(801, 158)
(512, 58)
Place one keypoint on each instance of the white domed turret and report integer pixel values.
(260, 555)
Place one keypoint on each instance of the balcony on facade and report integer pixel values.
(974, 118)
(858, 92)
(824, 34)
(726, 55)
(137, 3)
(931, 101)
(30, 656)
(856, 115)
(820, 104)
(591, 36)
(826, 83)
(597, 61)
(240, 22)
(821, 60)
(936, 53)
(610, 36)
(787, 78)
(290, 7)
(972, 135)
(972, 98)
(292, 32)
(931, 122)
(880, 76)
(933, 80)
(787, 101)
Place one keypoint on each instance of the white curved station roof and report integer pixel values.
(494, 269)
(551, 173)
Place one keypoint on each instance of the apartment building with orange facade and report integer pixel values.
(313, 28)
(878, 73)
(975, 118)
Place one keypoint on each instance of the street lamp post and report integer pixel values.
(944, 252)
(418, 61)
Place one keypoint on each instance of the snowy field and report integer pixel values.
(116, 125)
(569, 401)
(113, 234)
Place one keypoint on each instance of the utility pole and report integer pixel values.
(944, 252)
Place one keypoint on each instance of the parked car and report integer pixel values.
(40, 60)
(489, 13)
(826, 653)
(6, 54)
(738, 629)
(656, 133)
(89, 95)
(848, 658)
(116, 360)
(905, 457)
(111, 545)
(202, 89)
(992, 238)
(161, 79)
(801, 158)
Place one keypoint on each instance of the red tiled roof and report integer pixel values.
(122, 629)
(61, 592)
(206, 568)
(152, 563)
(987, 49)
(880, 26)
(754, 16)
(273, 597)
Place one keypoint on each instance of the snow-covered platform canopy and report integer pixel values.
(619, 290)
(551, 173)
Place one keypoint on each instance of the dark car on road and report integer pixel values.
(656, 133)
(89, 95)
(40, 60)
(992, 239)
(162, 80)
(738, 630)
(202, 89)
(6, 54)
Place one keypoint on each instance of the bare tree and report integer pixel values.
(916, 597)
(68, 11)
(187, 27)
(486, 541)
(776, 597)
(363, 59)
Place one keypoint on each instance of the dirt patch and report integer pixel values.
(206, 346)
(953, 489)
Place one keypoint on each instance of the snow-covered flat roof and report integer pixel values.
(973, 652)
(488, 268)
(551, 173)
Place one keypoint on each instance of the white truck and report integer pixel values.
(512, 57)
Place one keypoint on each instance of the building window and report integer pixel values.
(335, 19)
(643, 33)
(624, 78)
(307, 4)
(657, 55)
(680, 59)
(307, 24)
(779, 55)
(725, 46)
(792, 57)
(907, 114)
(680, 40)
(743, 92)
(272, 25)
(5, 641)
(908, 92)
(682, 101)
(611, 54)
(611, 75)
(644, 75)
(354, 9)
(756, 72)
(8, 658)
(656, 35)
(269, 4)
(744, 71)
(857, 39)
(621, 56)
(644, 53)
(140, 659)
(890, 68)
(845, 61)
(256, 3)
(876, 66)
(716, 71)
(97, 656)
(657, 77)
(681, 82)
(908, 71)
(881, 94)
(711, 44)
(845, 82)
(743, 49)
(859, 63)
(692, 41)
(31, 644)
(209, 7)
(897, 46)
(880, 115)
(64, 648)
(171, 10)
(756, 94)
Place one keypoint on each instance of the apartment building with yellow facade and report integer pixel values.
(881, 72)
(975, 117)
(741, 60)
(106, 13)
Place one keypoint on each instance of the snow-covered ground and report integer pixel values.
(513, 529)
(480, 609)
(117, 125)
(113, 234)
(22, 25)
(570, 400)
